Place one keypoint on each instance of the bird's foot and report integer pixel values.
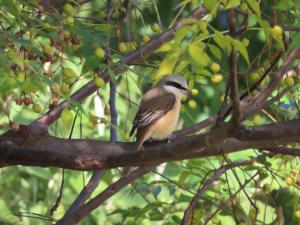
(171, 137)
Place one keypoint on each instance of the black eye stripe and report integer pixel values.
(175, 84)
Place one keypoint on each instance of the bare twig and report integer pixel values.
(234, 90)
(217, 173)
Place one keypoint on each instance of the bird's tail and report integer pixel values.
(137, 146)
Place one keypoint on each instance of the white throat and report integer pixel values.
(171, 89)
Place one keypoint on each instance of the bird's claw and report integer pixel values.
(171, 137)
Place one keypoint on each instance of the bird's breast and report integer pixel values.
(164, 126)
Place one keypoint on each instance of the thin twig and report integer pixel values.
(202, 188)
(234, 89)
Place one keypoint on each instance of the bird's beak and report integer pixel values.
(188, 93)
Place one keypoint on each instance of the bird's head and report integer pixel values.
(175, 84)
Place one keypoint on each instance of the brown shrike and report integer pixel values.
(159, 110)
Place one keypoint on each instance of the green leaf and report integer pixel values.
(295, 41)
(215, 51)
(156, 215)
(167, 65)
(240, 47)
(211, 5)
(254, 5)
(181, 33)
(222, 41)
(183, 176)
(233, 3)
(198, 55)
(182, 65)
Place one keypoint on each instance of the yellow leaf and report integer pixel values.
(198, 55)
(166, 66)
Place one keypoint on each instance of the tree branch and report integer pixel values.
(103, 196)
(26, 148)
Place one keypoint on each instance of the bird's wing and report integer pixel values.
(151, 110)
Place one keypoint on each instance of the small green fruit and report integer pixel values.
(244, 7)
(146, 38)
(67, 34)
(100, 53)
(122, 47)
(37, 108)
(254, 77)
(68, 73)
(195, 91)
(66, 116)
(155, 27)
(277, 30)
(289, 181)
(297, 214)
(47, 49)
(99, 82)
(69, 20)
(289, 81)
(192, 104)
(64, 89)
(245, 42)
(68, 9)
(256, 119)
(215, 67)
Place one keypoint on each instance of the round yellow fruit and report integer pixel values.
(256, 120)
(69, 20)
(297, 214)
(100, 53)
(47, 49)
(289, 81)
(122, 47)
(215, 67)
(254, 77)
(245, 42)
(68, 9)
(155, 27)
(217, 78)
(192, 104)
(184, 98)
(195, 91)
(277, 30)
(289, 181)
(146, 38)
(37, 108)
(99, 82)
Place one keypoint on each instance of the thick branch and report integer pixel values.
(26, 148)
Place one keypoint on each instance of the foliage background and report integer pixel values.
(27, 26)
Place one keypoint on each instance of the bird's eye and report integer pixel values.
(175, 84)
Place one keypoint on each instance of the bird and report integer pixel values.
(159, 110)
